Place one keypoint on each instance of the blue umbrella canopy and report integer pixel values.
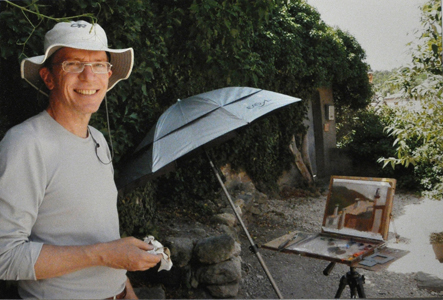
(197, 120)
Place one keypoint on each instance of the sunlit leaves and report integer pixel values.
(419, 132)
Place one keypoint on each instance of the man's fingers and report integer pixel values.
(140, 244)
(149, 261)
(131, 254)
(153, 258)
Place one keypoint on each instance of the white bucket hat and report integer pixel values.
(79, 35)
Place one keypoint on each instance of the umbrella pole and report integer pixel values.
(253, 246)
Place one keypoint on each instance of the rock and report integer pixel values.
(255, 210)
(199, 232)
(246, 197)
(248, 187)
(248, 200)
(231, 231)
(230, 211)
(181, 250)
(215, 249)
(200, 293)
(222, 273)
(240, 203)
(224, 218)
(260, 198)
(429, 282)
(194, 282)
(187, 276)
(155, 292)
(236, 181)
(224, 291)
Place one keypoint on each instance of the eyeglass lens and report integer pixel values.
(78, 67)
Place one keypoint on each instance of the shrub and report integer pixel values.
(362, 133)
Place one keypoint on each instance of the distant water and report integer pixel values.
(418, 222)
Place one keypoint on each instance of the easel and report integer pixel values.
(355, 228)
(351, 278)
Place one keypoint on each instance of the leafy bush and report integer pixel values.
(362, 133)
(418, 145)
(136, 210)
(418, 132)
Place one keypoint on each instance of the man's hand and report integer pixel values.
(127, 253)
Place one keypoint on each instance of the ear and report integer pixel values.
(47, 77)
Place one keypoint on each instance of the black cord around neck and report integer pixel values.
(97, 145)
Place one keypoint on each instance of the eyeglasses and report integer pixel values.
(73, 66)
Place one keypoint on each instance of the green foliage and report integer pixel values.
(418, 133)
(418, 143)
(363, 135)
(381, 83)
(351, 87)
(300, 53)
(137, 210)
(190, 186)
(187, 47)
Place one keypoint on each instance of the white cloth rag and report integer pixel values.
(166, 262)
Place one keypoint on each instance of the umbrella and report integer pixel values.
(197, 121)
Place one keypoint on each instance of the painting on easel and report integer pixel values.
(359, 206)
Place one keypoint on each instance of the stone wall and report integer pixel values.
(206, 257)
(210, 265)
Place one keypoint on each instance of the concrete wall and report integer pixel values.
(324, 132)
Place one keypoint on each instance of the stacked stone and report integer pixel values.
(219, 265)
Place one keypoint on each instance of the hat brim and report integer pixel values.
(122, 61)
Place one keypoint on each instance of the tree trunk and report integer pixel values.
(305, 155)
(299, 161)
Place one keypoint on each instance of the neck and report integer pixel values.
(75, 124)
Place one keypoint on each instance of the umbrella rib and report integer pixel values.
(242, 98)
(196, 120)
(187, 119)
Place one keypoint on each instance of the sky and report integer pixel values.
(382, 27)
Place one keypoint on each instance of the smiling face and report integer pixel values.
(76, 93)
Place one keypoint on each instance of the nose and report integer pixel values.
(87, 72)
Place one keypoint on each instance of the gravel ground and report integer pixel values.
(302, 277)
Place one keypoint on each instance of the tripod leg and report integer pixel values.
(356, 282)
(351, 282)
(353, 289)
(360, 289)
(328, 269)
(341, 286)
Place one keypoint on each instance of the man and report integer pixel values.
(59, 231)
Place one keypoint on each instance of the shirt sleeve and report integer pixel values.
(22, 188)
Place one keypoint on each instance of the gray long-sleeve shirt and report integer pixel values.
(54, 190)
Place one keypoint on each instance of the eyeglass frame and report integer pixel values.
(84, 64)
